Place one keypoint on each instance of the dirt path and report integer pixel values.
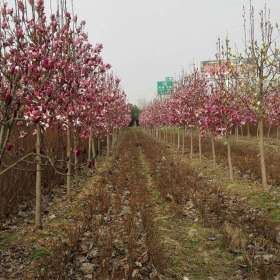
(148, 215)
(115, 245)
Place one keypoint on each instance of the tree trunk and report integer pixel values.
(268, 132)
(262, 154)
(178, 138)
(236, 133)
(69, 171)
(199, 146)
(191, 154)
(99, 147)
(213, 151)
(169, 136)
(248, 130)
(38, 222)
(93, 149)
(89, 146)
(4, 138)
(258, 130)
(108, 144)
(2, 130)
(113, 140)
(183, 141)
(229, 159)
(76, 160)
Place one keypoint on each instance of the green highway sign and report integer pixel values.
(169, 84)
(165, 87)
(161, 88)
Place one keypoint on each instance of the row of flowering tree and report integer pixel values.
(243, 90)
(50, 75)
(216, 110)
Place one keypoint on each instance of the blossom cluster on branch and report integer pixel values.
(51, 74)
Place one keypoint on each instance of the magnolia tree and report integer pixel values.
(272, 107)
(222, 108)
(51, 75)
(12, 70)
(220, 116)
(110, 112)
(261, 73)
(191, 97)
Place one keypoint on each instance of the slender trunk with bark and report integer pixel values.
(108, 144)
(168, 136)
(178, 138)
(229, 159)
(2, 130)
(248, 130)
(183, 140)
(89, 146)
(199, 146)
(213, 151)
(69, 167)
(76, 160)
(114, 139)
(93, 149)
(5, 134)
(191, 153)
(268, 132)
(242, 130)
(236, 133)
(258, 130)
(38, 222)
(99, 147)
(262, 154)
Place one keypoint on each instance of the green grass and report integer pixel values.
(193, 254)
(267, 202)
(185, 244)
(251, 191)
(6, 239)
(39, 253)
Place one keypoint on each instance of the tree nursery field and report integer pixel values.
(192, 193)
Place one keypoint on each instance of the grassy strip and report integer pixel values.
(182, 247)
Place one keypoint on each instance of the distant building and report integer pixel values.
(212, 69)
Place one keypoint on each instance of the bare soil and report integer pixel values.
(148, 213)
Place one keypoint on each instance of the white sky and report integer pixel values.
(147, 40)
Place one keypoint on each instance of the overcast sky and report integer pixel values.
(147, 40)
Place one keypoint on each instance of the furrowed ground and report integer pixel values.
(149, 213)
